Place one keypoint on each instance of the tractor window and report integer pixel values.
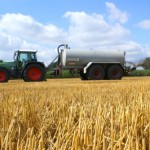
(22, 60)
(33, 57)
(23, 57)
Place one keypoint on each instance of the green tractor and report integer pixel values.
(25, 66)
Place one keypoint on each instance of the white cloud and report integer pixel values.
(145, 24)
(27, 28)
(116, 14)
(93, 30)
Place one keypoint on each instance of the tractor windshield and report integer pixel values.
(22, 59)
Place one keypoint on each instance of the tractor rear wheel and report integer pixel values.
(96, 72)
(34, 72)
(115, 72)
(3, 75)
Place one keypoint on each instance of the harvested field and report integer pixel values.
(63, 114)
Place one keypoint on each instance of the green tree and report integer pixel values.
(146, 63)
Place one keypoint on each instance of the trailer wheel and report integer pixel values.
(34, 72)
(115, 72)
(83, 76)
(96, 72)
(3, 75)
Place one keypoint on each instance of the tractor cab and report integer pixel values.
(21, 58)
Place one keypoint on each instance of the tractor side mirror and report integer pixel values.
(15, 56)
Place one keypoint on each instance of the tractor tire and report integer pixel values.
(115, 72)
(4, 76)
(96, 72)
(34, 72)
(83, 76)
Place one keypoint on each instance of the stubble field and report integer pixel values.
(70, 114)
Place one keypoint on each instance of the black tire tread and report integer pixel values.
(92, 69)
(113, 68)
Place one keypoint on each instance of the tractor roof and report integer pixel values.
(29, 51)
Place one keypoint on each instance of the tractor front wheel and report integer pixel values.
(3, 75)
(34, 72)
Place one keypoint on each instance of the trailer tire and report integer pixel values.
(96, 72)
(83, 76)
(115, 72)
(34, 72)
(4, 76)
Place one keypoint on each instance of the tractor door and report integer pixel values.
(20, 60)
(23, 59)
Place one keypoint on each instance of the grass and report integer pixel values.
(73, 114)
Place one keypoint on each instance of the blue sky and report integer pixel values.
(99, 24)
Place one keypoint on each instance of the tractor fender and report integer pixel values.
(8, 71)
(39, 63)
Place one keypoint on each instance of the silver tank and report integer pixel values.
(73, 58)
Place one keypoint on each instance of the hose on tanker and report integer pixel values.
(59, 58)
(59, 53)
(58, 49)
(62, 45)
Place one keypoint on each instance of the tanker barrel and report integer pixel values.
(78, 58)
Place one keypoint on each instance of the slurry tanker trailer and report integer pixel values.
(90, 64)
(93, 64)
